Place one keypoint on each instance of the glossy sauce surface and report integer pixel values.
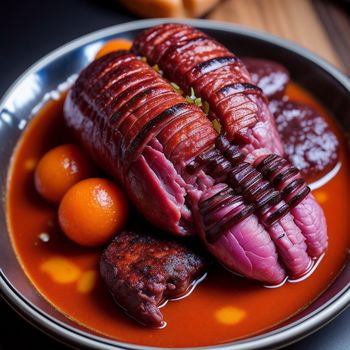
(222, 308)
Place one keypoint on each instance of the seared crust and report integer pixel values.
(143, 270)
(192, 59)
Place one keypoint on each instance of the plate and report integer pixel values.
(56, 71)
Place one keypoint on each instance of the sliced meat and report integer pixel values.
(196, 64)
(118, 118)
(147, 136)
(270, 76)
(308, 141)
(142, 270)
(218, 77)
(245, 247)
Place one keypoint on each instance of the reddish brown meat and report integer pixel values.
(146, 136)
(193, 59)
(142, 270)
(123, 112)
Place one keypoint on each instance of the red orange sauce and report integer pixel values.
(191, 321)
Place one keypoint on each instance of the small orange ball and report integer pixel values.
(114, 45)
(93, 211)
(59, 169)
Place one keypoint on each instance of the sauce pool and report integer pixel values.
(222, 308)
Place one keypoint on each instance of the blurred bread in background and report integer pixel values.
(169, 8)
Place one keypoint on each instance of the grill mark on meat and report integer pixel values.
(198, 139)
(281, 174)
(176, 38)
(172, 33)
(118, 72)
(151, 109)
(235, 88)
(121, 96)
(166, 135)
(206, 85)
(185, 66)
(161, 37)
(146, 111)
(214, 64)
(154, 126)
(197, 47)
(121, 83)
(143, 97)
(111, 63)
(183, 45)
(120, 90)
(214, 232)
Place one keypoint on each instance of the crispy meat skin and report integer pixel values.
(142, 270)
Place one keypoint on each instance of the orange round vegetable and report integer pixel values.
(59, 169)
(114, 45)
(93, 211)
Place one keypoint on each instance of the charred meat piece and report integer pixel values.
(308, 141)
(142, 270)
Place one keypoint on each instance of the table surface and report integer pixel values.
(31, 29)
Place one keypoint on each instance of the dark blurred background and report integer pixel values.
(30, 29)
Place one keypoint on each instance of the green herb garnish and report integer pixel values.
(189, 99)
(198, 102)
(217, 126)
(156, 68)
(205, 107)
(193, 96)
(175, 86)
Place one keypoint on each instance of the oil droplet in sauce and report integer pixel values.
(61, 269)
(321, 196)
(30, 164)
(230, 315)
(87, 281)
(44, 237)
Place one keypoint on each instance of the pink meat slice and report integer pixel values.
(297, 238)
(245, 248)
(309, 217)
